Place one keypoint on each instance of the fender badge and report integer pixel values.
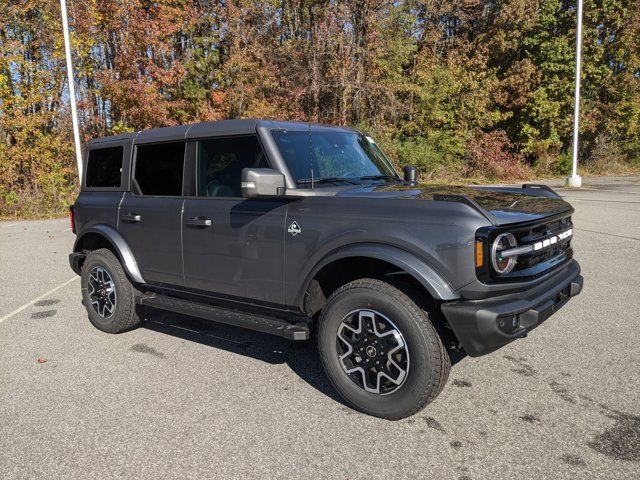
(294, 229)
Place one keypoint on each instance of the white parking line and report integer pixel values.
(10, 225)
(610, 190)
(607, 233)
(44, 295)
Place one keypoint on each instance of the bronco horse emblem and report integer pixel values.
(294, 229)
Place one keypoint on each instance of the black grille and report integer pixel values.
(542, 231)
(535, 263)
(538, 233)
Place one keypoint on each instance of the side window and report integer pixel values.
(220, 164)
(159, 168)
(104, 167)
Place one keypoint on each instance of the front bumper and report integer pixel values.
(483, 326)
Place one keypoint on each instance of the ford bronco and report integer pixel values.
(303, 230)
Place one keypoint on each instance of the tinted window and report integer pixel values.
(331, 153)
(104, 167)
(159, 168)
(220, 164)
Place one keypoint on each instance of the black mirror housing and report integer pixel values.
(262, 182)
(410, 174)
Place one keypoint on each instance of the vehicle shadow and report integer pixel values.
(301, 357)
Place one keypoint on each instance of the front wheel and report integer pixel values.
(380, 350)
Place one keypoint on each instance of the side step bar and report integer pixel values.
(282, 328)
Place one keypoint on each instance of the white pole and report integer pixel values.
(72, 89)
(575, 180)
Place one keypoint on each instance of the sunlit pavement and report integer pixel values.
(183, 398)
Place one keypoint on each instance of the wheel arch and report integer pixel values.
(101, 235)
(403, 261)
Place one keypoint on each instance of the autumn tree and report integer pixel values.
(462, 89)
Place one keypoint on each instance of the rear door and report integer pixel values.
(231, 245)
(150, 217)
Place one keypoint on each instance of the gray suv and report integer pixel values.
(305, 230)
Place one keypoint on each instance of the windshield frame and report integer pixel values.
(378, 159)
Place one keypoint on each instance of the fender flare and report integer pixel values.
(119, 244)
(433, 282)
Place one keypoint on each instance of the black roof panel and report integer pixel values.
(224, 127)
(165, 134)
(209, 129)
(113, 138)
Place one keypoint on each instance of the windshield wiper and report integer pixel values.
(380, 177)
(306, 181)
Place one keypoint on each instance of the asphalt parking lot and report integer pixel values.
(184, 398)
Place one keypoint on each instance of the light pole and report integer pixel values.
(72, 89)
(575, 180)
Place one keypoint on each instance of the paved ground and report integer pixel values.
(182, 398)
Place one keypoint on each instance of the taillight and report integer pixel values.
(72, 219)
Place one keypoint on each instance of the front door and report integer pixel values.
(232, 246)
(150, 219)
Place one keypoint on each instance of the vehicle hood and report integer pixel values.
(501, 205)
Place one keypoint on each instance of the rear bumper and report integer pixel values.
(483, 326)
(75, 261)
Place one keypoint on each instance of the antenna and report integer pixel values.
(310, 158)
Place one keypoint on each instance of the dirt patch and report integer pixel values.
(622, 441)
(47, 303)
(462, 383)
(433, 423)
(573, 460)
(143, 348)
(529, 418)
(44, 314)
(562, 392)
(521, 366)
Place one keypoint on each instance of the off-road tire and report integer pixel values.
(125, 316)
(429, 361)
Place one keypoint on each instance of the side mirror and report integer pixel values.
(262, 182)
(410, 174)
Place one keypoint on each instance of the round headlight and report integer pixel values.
(501, 264)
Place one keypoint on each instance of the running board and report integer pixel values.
(282, 328)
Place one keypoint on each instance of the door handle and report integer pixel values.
(130, 217)
(198, 222)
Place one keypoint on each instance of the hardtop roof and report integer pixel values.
(207, 129)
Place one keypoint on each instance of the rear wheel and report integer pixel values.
(107, 293)
(380, 350)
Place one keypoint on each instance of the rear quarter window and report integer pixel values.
(104, 167)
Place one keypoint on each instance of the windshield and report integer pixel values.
(331, 155)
